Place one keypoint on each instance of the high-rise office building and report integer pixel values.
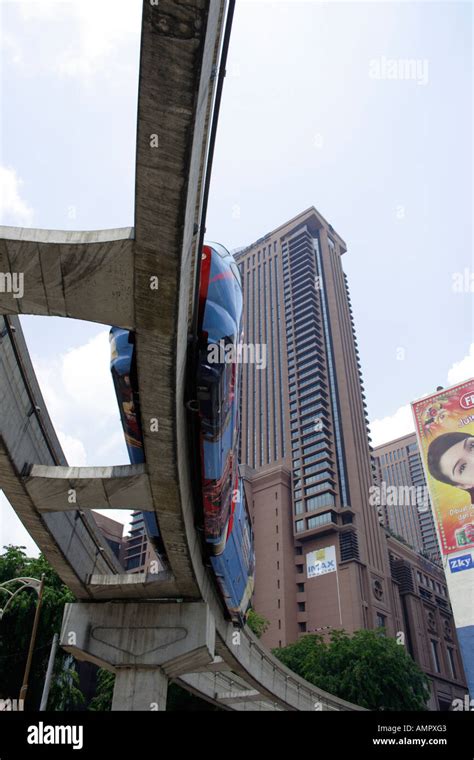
(304, 432)
(323, 560)
(134, 551)
(408, 511)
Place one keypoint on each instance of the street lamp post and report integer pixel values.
(37, 586)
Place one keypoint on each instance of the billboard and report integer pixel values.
(445, 430)
(444, 425)
(321, 561)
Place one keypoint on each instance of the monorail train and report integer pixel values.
(123, 366)
(215, 387)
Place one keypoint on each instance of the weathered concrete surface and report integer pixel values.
(159, 585)
(180, 44)
(210, 685)
(58, 489)
(84, 275)
(140, 689)
(175, 637)
(261, 671)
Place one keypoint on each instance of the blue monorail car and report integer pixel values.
(215, 386)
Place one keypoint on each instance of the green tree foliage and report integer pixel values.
(15, 631)
(104, 691)
(65, 693)
(367, 668)
(257, 623)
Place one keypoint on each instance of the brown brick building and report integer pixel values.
(398, 463)
(305, 451)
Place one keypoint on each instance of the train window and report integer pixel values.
(235, 270)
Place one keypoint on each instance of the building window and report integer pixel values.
(278, 583)
(378, 589)
(300, 588)
(299, 526)
(380, 620)
(301, 607)
(299, 551)
(302, 627)
(434, 652)
(325, 500)
(315, 522)
(452, 665)
(279, 604)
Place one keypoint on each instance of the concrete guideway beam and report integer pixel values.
(176, 104)
(58, 489)
(73, 546)
(83, 275)
(210, 685)
(151, 585)
(180, 45)
(261, 671)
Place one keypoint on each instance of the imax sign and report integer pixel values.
(321, 561)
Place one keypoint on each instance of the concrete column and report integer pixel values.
(140, 689)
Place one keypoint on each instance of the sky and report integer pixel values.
(363, 110)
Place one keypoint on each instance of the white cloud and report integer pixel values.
(86, 375)
(12, 530)
(10, 47)
(85, 36)
(73, 449)
(13, 208)
(80, 398)
(393, 426)
(401, 421)
(462, 370)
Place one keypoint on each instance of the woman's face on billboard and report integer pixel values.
(457, 463)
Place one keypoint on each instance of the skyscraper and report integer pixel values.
(323, 560)
(304, 434)
(398, 463)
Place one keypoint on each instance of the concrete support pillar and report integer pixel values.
(144, 644)
(140, 689)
